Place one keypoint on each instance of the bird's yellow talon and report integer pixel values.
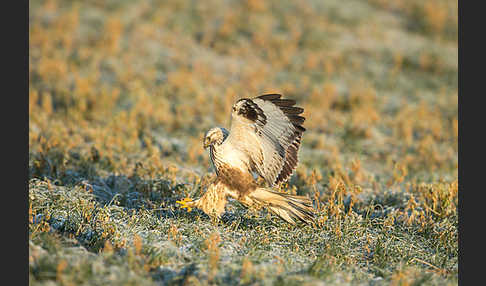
(184, 205)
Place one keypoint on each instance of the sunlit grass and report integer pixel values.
(121, 93)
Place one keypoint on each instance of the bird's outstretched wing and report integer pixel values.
(276, 126)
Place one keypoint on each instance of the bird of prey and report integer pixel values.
(264, 138)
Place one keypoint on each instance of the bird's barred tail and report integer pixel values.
(290, 208)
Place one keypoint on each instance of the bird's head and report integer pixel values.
(215, 136)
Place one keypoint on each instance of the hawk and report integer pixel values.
(264, 138)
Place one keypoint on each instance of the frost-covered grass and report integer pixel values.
(121, 93)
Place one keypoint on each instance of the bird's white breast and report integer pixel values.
(227, 154)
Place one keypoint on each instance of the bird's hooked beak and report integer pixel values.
(206, 143)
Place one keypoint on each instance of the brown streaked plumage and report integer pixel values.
(264, 138)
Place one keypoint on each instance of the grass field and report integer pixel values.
(121, 93)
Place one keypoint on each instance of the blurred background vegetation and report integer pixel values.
(121, 93)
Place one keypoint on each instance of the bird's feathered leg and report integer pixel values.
(212, 202)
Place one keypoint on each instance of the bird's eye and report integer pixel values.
(234, 108)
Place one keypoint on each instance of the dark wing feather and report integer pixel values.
(291, 152)
(278, 127)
